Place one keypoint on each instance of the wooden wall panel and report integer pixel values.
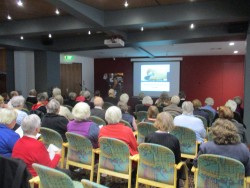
(3, 69)
(71, 78)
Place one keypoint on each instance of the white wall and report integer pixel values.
(87, 69)
(24, 71)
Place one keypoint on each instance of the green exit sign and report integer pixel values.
(68, 57)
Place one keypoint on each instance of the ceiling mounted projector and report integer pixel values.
(114, 42)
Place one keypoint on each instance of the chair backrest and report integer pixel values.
(211, 116)
(204, 121)
(52, 178)
(90, 184)
(144, 128)
(141, 115)
(114, 155)
(69, 107)
(106, 105)
(80, 148)
(97, 120)
(187, 139)
(156, 163)
(29, 105)
(50, 136)
(137, 107)
(219, 171)
(126, 123)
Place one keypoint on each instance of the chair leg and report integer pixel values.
(98, 177)
(62, 157)
(91, 173)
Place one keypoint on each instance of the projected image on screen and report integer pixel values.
(155, 77)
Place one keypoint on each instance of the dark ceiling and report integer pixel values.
(164, 22)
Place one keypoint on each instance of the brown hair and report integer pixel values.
(196, 103)
(152, 112)
(164, 121)
(225, 112)
(225, 132)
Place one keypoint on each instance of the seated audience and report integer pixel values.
(226, 142)
(182, 96)
(32, 96)
(81, 125)
(209, 106)
(29, 149)
(173, 107)
(41, 103)
(2, 104)
(138, 101)
(71, 100)
(64, 111)
(239, 108)
(97, 93)
(87, 96)
(6, 97)
(188, 120)
(97, 110)
(56, 91)
(163, 100)
(53, 120)
(126, 115)
(146, 103)
(151, 114)
(198, 111)
(8, 136)
(233, 105)
(111, 97)
(80, 98)
(18, 102)
(117, 130)
(12, 94)
(226, 113)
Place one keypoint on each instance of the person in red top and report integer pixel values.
(117, 130)
(29, 149)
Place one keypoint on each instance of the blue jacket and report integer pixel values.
(8, 139)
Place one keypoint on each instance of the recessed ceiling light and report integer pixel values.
(142, 29)
(192, 26)
(9, 17)
(89, 32)
(126, 4)
(231, 44)
(21, 38)
(57, 12)
(50, 36)
(20, 3)
(235, 52)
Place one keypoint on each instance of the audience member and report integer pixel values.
(6, 97)
(87, 96)
(138, 101)
(71, 100)
(32, 96)
(54, 121)
(56, 91)
(209, 106)
(64, 111)
(12, 94)
(173, 107)
(146, 103)
(233, 105)
(117, 130)
(111, 97)
(163, 100)
(226, 142)
(126, 116)
(97, 110)
(182, 96)
(8, 137)
(80, 98)
(198, 111)
(188, 120)
(41, 103)
(151, 114)
(18, 102)
(226, 113)
(29, 149)
(239, 108)
(81, 125)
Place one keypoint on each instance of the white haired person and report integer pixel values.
(233, 106)
(117, 130)
(111, 97)
(18, 102)
(126, 115)
(64, 111)
(8, 137)
(188, 120)
(81, 125)
(147, 101)
(29, 149)
(209, 106)
(87, 96)
(32, 96)
(173, 108)
(53, 120)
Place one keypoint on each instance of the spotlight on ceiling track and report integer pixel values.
(126, 4)
(231, 44)
(20, 3)
(142, 29)
(57, 12)
(235, 52)
(192, 26)
(89, 32)
(9, 17)
(21, 38)
(50, 36)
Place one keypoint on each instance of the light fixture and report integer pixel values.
(192, 26)
(126, 4)
(20, 3)
(89, 32)
(142, 29)
(57, 12)
(9, 17)
(235, 52)
(231, 44)
(21, 38)
(50, 36)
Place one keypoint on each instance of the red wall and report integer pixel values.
(220, 77)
